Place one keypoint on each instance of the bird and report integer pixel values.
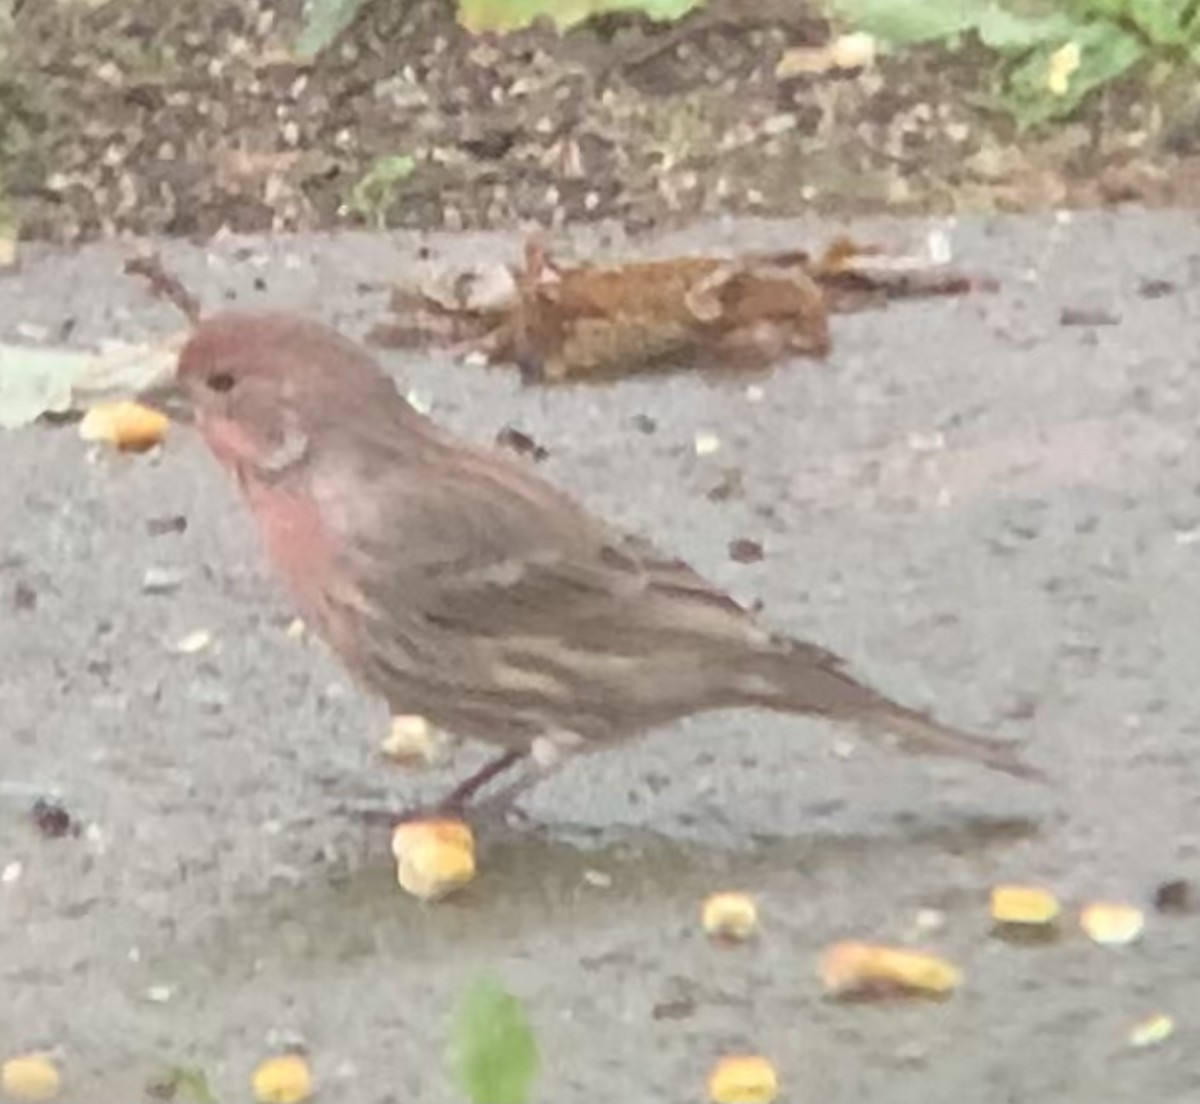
(457, 584)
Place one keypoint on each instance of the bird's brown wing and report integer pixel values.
(483, 589)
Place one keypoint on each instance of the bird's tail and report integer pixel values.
(810, 680)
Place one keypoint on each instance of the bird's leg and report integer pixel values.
(548, 754)
(453, 804)
(458, 797)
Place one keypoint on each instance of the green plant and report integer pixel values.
(373, 194)
(492, 1051)
(1056, 54)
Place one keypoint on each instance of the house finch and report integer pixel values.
(458, 585)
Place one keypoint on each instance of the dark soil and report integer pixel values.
(187, 116)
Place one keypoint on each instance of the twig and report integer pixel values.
(165, 285)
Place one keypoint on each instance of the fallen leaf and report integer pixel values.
(596, 322)
(35, 381)
(866, 970)
(493, 1050)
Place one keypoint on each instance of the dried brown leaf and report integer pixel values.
(596, 322)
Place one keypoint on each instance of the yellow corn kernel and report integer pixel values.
(730, 916)
(434, 857)
(125, 425)
(30, 1077)
(1111, 924)
(743, 1079)
(285, 1079)
(1018, 904)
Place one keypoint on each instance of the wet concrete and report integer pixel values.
(991, 512)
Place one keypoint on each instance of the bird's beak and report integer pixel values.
(169, 398)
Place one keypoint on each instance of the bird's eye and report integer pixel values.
(220, 382)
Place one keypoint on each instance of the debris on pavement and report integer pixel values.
(162, 580)
(52, 820)
(1151, 1031)
(522, 444)
(745, 551)
(598, 321)
(1175, 896)
(413, 742)
(199, 640)
(854, 970)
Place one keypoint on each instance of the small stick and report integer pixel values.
(165, 285)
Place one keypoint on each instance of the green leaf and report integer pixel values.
(493, 1050)
(1163, 22)
(999, 29)
(34, 382)
(907, 22)
(324, 20)
(372, 195)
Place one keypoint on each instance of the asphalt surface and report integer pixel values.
(990, 511)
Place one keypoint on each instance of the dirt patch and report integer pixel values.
(185, 116)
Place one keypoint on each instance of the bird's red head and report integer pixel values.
(261, 385)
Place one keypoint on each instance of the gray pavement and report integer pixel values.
(991, 512)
